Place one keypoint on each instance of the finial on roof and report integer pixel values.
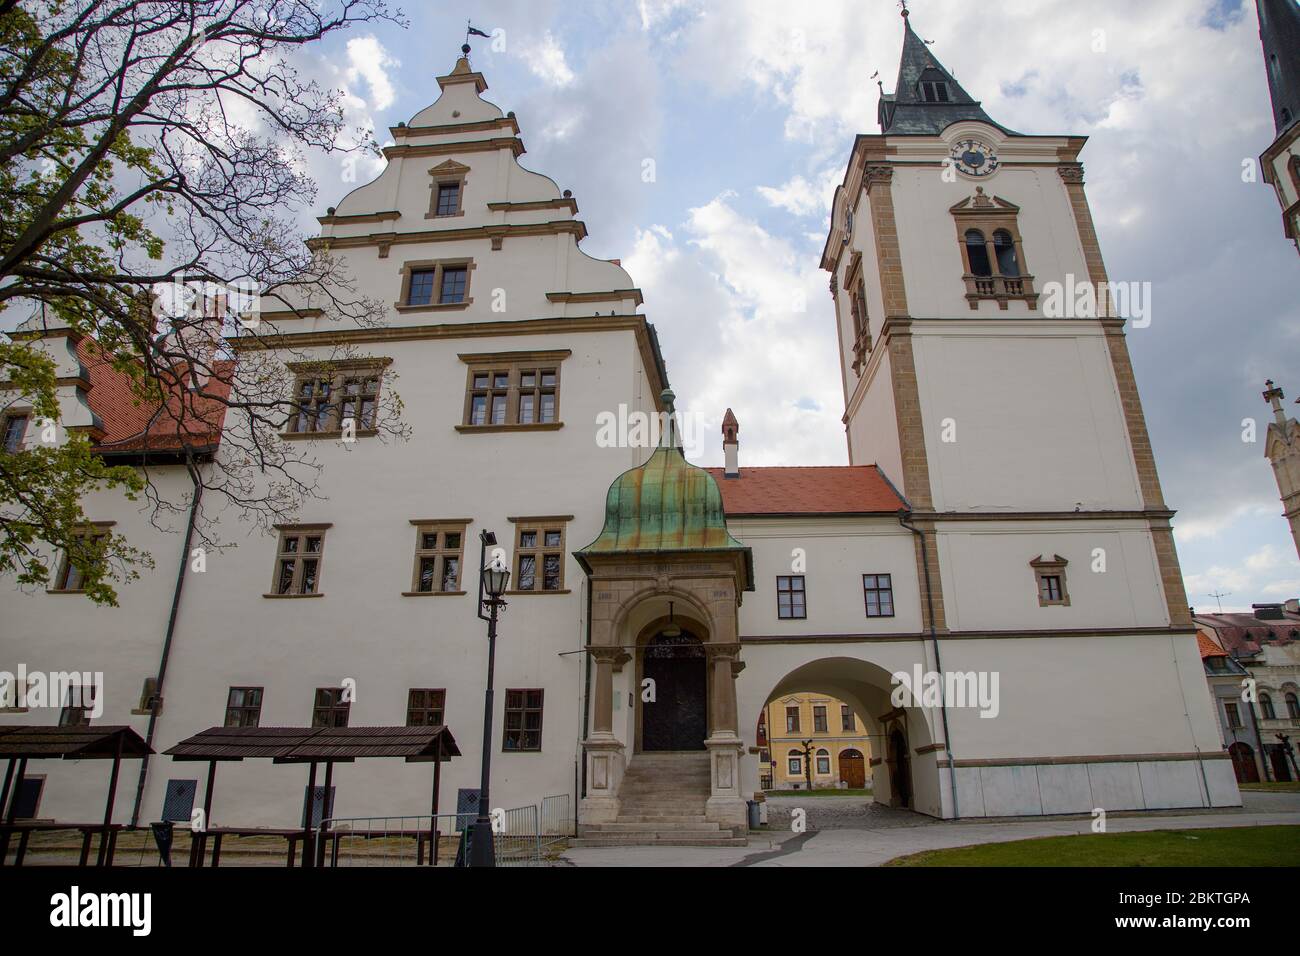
(903, 4)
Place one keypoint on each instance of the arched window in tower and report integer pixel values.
(1004, 247)
(977, 253)
(1292, 706)
(1266, 707)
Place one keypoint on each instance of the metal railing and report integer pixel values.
(557, 819)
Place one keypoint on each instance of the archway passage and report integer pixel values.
(677, 718)
(853, 769)
(1243, 762)
(900, 769)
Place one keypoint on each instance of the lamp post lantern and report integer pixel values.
(493, 576)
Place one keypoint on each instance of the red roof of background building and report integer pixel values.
(1245, 633)
(1207, 646)
(811, 490)
(189, 418)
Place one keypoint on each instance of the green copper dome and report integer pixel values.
(665, 505)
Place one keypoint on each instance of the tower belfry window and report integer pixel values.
(934, 91)
(978, 252)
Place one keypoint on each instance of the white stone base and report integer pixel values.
(725, 805)
(605, 764)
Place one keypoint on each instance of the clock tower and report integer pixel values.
(985, 364)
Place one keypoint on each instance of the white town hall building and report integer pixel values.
(1000, 518)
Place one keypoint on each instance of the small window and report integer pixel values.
(244, 707)
(539, 556)
(795, 763)
(421, 290)
(1004, 247)
(455, 280)
(424, 707)
(1050, 575)
(358, 401)
(846, 719)
(977, 254)
(329, 708)
(77, 706)
(1292, 706)
(523, 720)
(819, 719)
(430, 284)
(1234, 716)
(298, 561)
(438, 558)
(934, 91)
(823, 762)
(878, 590)
(790, 597)
(15, 430)
(792, 719)
(448, 199)
(1266, 707)
(91, 543)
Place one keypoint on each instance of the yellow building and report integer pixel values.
(838, 751)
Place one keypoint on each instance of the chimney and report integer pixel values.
(730, 445)
(1268, 612)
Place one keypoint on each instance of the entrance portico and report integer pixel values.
(666, 579)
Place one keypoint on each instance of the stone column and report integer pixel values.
(725, 805)
(604, 751)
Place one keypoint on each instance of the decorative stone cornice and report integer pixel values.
(1071, 173)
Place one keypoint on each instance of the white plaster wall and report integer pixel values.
(873, 423)
(1036, 417)
(989, 584)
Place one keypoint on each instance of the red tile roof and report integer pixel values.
(811, 490)
(129, 422)
(1245, 633)
(1207, 646)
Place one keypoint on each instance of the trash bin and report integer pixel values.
(752, 806)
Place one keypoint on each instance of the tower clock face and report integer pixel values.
(974, 158)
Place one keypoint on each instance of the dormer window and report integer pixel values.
(934, 91)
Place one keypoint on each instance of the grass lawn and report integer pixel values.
(1286, 786)
(830, 792)
(1228, 846)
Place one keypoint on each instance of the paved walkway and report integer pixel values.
(842, 845)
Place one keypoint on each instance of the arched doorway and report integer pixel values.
(1243, 762)
(900, 771)
(677, 718)
(853, 769)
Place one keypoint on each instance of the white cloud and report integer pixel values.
(368, 60)
(547, 61)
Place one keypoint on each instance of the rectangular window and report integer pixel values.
(513, 389)
(1050, 576)
(823, 763)
(330, 709)
(455, 279)
(424, 707)
(795, 766)
(421, 287)
(878, 590)
(329, 395)
(78, 704)
(15, 429)
(847, 723)
(790, 597)
(438, 552)
(819, 719)
(91, 543)
(243, 707)
(1049, 588)
(792, 720)
(298, 560)
(448, 199)
(539, 554)
(1234, 717)
(523, 729)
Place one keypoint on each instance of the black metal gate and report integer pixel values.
(677, 718)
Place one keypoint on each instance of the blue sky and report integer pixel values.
(748, 110)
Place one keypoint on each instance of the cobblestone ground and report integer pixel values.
(841, 813)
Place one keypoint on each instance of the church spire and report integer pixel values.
(1279, 34)
(926, 98)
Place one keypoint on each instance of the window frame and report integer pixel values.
(824, 725)
(437, 267)
(822, 754)
(791, 590)
(300, 532)
(446, 174)
(12, 415)
(794, 763)
(855, 286)
(64, 581)
(336, 374)
(878, 591)
(541, 527)
(245, 708)
(513, 366)
(1045, 570)
(334, 706)
(793, 713)
(77, 714)
(524, 711)
(848, 720)
(428, 708)
(987, 216)
(439, 555)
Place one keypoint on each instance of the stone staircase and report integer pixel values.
(662, 800)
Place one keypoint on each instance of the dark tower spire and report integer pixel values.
(926, 98)
(1279, 33)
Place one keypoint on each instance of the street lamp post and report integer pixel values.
(492, 580)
